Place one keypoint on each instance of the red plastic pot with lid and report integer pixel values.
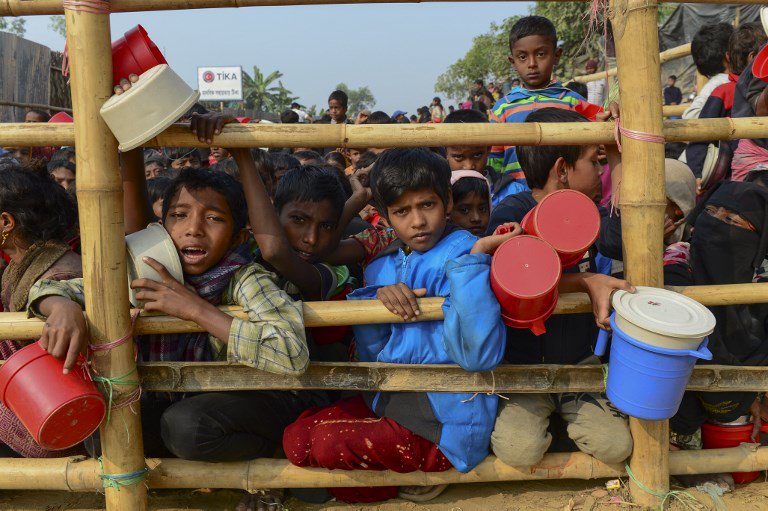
(134, 53)
(61, 117)
(566, 219)
(722, 436)
(760, 64)
(525, 273)
(59, 410)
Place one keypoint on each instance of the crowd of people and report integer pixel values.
(265, 230)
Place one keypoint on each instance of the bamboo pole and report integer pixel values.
(671, 54)
(36, 7)
(642, 205)
(100, 199)
(674, 110)
(16, 325)
(78, 474)
(364, 377)
(38, 106)
(400, 135)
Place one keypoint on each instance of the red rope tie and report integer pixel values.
(619, 131)
(114, 344)
(90, 6)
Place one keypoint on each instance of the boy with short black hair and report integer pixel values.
(743, 45)
(205, 216)
(183, 158)
(709, 50)
(520, 437)
(337, 107)
(672, 93)
(534, 54)
(468, 157)
(414, 431)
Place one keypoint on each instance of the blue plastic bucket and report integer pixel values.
(647, 381)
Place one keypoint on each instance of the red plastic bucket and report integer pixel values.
(760, 64)
(61, 117)
(525, 272)
(566, 219)
(716, 436)
(59, 410)
(134, 53)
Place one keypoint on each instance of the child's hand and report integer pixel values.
(600, 288)
(489, 244)
(65, 333)
(170, 296)
(126, 84)
(401, 300)
(612, 112)
(205, 126)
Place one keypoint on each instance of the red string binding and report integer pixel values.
(90, 6)
(619, 131)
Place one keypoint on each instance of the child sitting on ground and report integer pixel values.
(414, 431)
(63, 172)
(205, 216)
(534, 53)
(471, 201)
(521, 435)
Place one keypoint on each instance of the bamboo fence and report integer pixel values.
(671, 54)
(100, 197)
(402, 135)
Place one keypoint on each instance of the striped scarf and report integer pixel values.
(194, 347)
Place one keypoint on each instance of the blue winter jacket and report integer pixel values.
(471, 335)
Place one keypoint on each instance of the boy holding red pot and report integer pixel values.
(521, 435)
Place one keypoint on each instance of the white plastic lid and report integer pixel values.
(664, 312)
(764, 17)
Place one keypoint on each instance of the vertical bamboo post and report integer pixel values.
(100, 197)
(642, 203)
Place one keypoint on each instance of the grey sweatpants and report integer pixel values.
(520, 437)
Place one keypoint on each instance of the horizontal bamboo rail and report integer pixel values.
(36, 7)
(665, 56)
(674, 110)
(363, 377)
(400, 135)
(38, 106)
(79, 474)
(16, 325)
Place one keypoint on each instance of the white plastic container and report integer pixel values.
(154, 242)
(151, 105)
(663, 318)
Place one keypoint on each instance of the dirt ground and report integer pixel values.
(534, 495)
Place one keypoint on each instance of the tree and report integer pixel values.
(359, 99)
(259, 92)
(58, 25)
(485, 60)
(282, 99)
(17, 26)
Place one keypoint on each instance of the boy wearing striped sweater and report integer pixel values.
(534, 53)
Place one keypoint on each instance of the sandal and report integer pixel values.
(421, 493)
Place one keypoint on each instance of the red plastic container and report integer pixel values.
(760, 64)
(525, 272)
(715, 436)
(59, 410)
(566, 219)
(61, 117)
(134, 53)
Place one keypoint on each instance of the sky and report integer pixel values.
(397, 50)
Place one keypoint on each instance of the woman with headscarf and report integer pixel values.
(730, 241)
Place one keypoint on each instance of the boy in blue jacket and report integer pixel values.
(533, 54)
(410, 431)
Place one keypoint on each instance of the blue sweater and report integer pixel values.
(471, 335)
(515, 107)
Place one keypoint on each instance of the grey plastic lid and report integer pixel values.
(664, 312)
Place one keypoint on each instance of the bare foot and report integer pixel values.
(265, 500)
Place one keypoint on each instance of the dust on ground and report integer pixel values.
(568, 495)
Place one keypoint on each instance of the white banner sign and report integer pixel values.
(220, 83)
